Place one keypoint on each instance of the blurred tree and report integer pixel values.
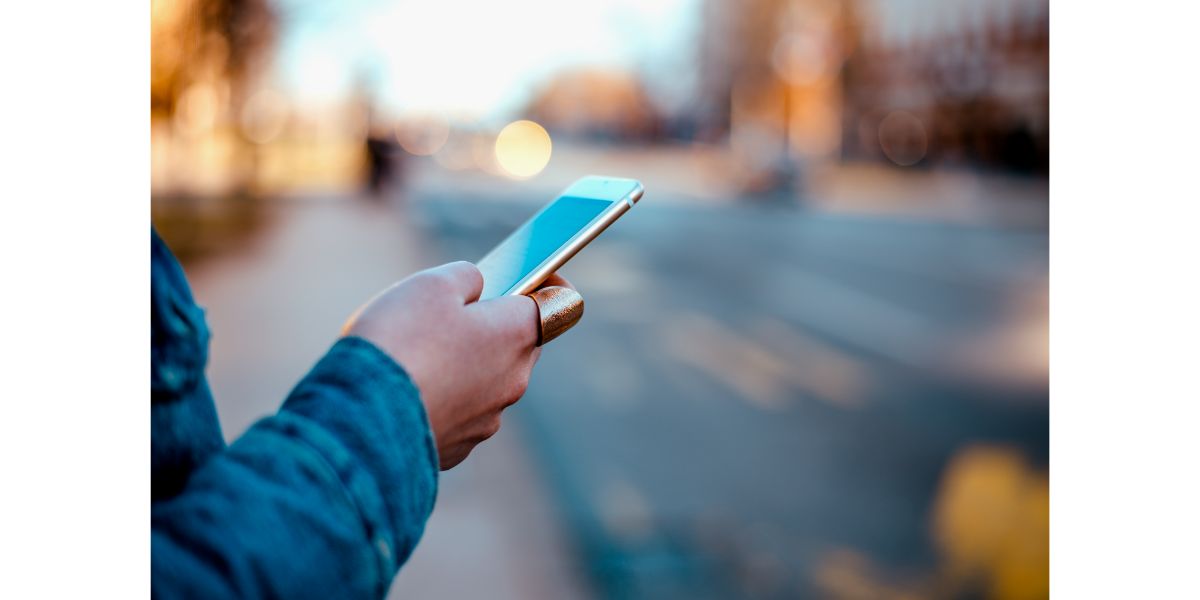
(205, 58)
(216, 41)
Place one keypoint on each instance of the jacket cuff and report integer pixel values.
(377, 437)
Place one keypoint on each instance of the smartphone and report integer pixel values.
(520, 263)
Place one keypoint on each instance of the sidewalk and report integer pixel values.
(274, 308)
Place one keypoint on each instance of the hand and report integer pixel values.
(470, 360)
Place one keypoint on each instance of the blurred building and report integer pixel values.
(597, 104)
(941, 81)
(770, 83)
(790, 82)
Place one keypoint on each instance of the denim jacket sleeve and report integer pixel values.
(325, 499)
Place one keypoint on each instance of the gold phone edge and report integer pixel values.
(535, 277)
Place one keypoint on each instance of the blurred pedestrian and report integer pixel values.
(383, 164)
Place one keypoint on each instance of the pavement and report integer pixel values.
(761, 401)
(277, 303)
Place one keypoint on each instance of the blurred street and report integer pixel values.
(763, 400)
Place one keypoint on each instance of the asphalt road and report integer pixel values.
(766, 402)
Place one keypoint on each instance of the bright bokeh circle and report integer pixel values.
(523, 149)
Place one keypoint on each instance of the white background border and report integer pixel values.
(1125, 299)
(74, 299)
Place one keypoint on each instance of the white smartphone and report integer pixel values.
(520, 263)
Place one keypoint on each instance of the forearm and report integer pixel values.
(327, 498)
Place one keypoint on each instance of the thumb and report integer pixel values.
(462, 277)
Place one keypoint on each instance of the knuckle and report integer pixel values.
(468, 271)
(517, 391)
(441, 281)
(435, 283)
(488, 429)
(423, 279)
(459, 274)
(455, 455)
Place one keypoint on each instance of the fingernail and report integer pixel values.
(559, 309)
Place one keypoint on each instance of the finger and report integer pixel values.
(485, 427)
(463, 277)
(513, 317)
(556, 280)
(454, 456)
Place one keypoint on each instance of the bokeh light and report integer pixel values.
(423, 137)
(455, 154)
(991, 521)
(903, 139)
(264, 116)
(198, 110)
(523, 148)
(483, 154)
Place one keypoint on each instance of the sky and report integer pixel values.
(469, 59)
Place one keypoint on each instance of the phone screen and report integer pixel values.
(535, 241)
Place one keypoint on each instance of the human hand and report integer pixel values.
(469, 359)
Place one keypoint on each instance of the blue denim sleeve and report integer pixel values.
(325, 499)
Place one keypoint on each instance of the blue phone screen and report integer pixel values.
(535, 241)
